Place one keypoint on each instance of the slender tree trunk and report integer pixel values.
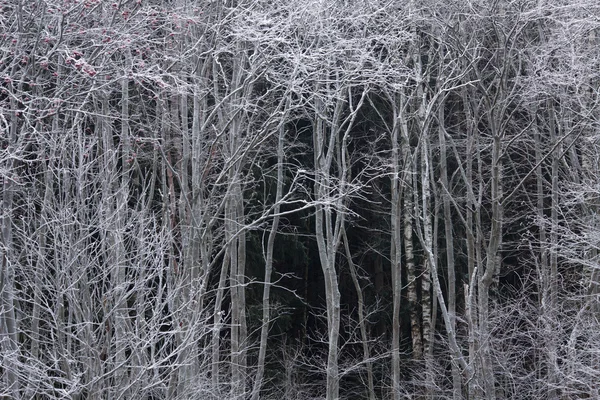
(491, 266)
(361, 318)
(427, 223)
(413, 280)
(329, 217)
(396, 246)
(473, 244)
(449, 240)
(8, 322)
(9, 325)
(266, 317)
(187, 356)
(217, 326)
(550, 290)
(323, 221)
(425, 234)
(237, 378)
(424, 105)
(543, 265)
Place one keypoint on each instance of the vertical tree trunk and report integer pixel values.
(411, 273)
(473, 244)
(236, 282)
(235, 218)
(491, 266)
(424, 105)
(217, 326)
(330, 194)
(8, 322)
(449, 240)
(324, 222)
(396, 245)
(426, 217)
(550, 302)
(266, 317)
(361, 319)
(542, 236)
(187, 356)
(425, 234)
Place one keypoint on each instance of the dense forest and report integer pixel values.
(302, 199)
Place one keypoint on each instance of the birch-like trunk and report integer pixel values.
(425, 233)
(396, 247)
(424, 104)
(408, 210)
(426, 216)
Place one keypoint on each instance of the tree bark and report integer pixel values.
(396, 242)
